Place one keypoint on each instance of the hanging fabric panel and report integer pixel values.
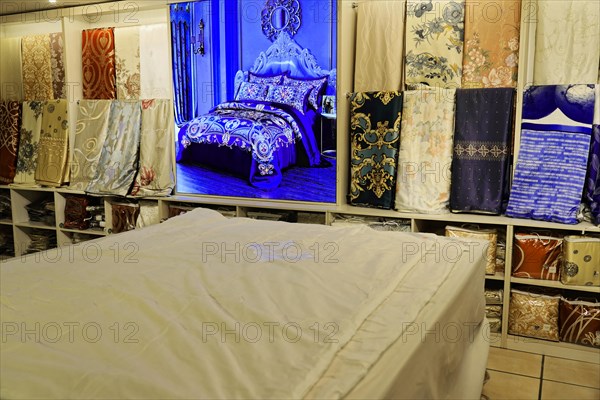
(98, 63)
(127, 62)
(375, 130)
(155, 66)
(10, 121)
(567, 42)
(37, 68)
(491, 43)
(553, 155)
(58, 65)
(592, 185)
(182, 72)
(426, 151)
(379, 46)
(52, 164)
(31, 128)
(90, 134)
(482, 142)
(119, 155)
(434, 43)
(155, 173)
(11, 72)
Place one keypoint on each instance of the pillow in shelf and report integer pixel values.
(580, 322)
(533, 315)
(491, 235)
(581, 261)
(252, 91)
(537, 257)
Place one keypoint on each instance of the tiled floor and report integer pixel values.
(522, 376)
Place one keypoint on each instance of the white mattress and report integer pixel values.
(175, 311)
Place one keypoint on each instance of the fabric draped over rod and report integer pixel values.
(37, 68)
(374, 132)
(10, 121)
(11, 72)
(182, 69)
(491, 49)
(482, 142)
(98, 64)
(379, 46)
(127, 62)
(155, 65)
(53, 153)
(31, 128)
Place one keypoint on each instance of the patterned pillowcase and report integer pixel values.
(265, 80)
(316, 86)
(252, 91)
(290, 95)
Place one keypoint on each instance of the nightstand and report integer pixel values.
(328, 135)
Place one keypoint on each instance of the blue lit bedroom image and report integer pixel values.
(255, 87)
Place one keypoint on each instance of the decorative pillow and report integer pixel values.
(533, 315)
(316, 85)
(265, 80)
(290, 95)
(252, 91)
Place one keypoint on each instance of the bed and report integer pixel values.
(245, 309)
(270, 125)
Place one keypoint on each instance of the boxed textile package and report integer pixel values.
(494, 296)
(376, 223)
(581, 261)
(495, 324)
(42, 211)
(124, 216)
(580, 322)
(533, 315)
(76, 214)
(536, 256)
(491, 235)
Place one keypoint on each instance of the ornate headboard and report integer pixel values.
(286, 55)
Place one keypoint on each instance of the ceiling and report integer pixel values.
(22, 6)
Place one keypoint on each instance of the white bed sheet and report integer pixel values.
(87, 324)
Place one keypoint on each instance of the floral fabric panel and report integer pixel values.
(374, 139)
(127, 62)
(553, 154)
(98, 61)
(52, 164)
(89, 138)
(379, 63)
(533, 315)
(426, 151)
(257, 128)
(292, 96)
(567, 42)
(11, 71)
(37, 68)
(580, 322)
(434, 43)
(491, 44)
(58, 65)
(316, 87)
(155, 66)
(155, 172)
(482, 142)
(119, 155)
(252, 91)
(31, 128)
(10, 120)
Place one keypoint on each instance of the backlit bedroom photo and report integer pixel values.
(300, 199)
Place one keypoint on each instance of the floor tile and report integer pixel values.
(563, 391)
(574, 372)
(515, 362)
(508, 386)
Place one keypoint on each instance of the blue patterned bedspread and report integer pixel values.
(255, 127)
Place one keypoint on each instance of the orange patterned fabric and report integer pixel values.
(37, 68)
(491, 43)
(98, 59)
(10, 115)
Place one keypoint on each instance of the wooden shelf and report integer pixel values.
(498, 276)
(554, 284)
(34, 225)
(91, 232)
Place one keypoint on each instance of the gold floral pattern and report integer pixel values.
(533, 315)
(37, 68)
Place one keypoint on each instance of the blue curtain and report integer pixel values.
(182, 68)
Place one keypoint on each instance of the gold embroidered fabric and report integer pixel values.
(53, 152)
(379, 46)
(533, 315)
(491, 55)
(37, 68)
(491, 235)
(11, 73)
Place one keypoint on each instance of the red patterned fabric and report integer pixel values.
(98, 58)
(10, 116)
